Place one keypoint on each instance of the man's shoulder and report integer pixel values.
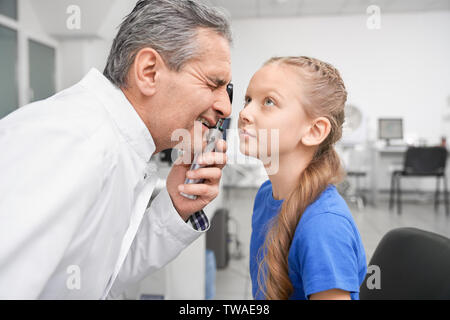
(73, 111)
(78, 108)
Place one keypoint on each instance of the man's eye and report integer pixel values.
(268, 102)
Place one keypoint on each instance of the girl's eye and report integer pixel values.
(247, 100)
(269, 102)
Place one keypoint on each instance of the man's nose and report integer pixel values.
(223, 104)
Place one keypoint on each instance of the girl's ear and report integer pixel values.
(317, 132)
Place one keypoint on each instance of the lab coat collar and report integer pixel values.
(122, 112)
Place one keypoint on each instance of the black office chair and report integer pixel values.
(414, 265)
(421, 162)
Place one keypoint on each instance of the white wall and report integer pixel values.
(78, 56)
(81, 53)
(400, 70)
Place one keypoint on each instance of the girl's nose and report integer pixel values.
(245, 115)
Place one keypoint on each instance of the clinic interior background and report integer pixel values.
(400, 69)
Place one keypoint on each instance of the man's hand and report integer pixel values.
(213, 163)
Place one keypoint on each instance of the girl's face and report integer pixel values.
(272, 105)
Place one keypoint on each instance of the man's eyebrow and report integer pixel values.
(218, 81)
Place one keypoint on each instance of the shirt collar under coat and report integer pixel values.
(122, 112)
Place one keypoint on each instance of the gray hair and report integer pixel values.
(168, 26)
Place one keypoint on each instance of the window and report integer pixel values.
(42, 70)
(28, 61)
(8, 75)
(9, 8)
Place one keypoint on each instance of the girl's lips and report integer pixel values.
(246, 133)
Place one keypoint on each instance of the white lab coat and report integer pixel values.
(75, 182)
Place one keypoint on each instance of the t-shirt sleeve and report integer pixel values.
(325, 254)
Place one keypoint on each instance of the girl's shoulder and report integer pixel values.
(327, 223)
(330, 202)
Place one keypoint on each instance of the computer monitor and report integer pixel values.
(389, 129)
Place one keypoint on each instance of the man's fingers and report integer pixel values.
(201, 190)
(213, 174)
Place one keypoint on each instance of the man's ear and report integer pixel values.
(148, 65)
(317, 132)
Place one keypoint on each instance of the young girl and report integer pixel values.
(304, 243)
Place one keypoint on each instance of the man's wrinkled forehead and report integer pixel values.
(214, 56)
(218, 73)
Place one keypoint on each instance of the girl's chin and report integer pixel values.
(245, 150)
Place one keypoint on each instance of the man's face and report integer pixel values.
(198, 91)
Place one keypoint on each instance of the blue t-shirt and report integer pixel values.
(326, 251)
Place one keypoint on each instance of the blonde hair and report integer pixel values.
(325, 96)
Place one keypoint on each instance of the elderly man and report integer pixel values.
(76, 175)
